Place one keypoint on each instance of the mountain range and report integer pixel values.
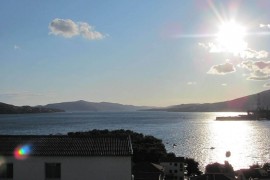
(93, 106)
(250, 102)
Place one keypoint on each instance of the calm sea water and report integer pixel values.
(193, 133)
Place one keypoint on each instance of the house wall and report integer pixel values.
(174, 166)
(82, 168)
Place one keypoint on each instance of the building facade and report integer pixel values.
(65, 158)
(174, 167)
(148, 171)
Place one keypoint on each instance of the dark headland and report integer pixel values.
(241, 104)
(11, 109)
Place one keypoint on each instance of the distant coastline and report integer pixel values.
(241, 104)
(11, 109)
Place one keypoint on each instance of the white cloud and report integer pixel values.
(89, 32)
(222, 69)
(191, 83)
(64, 27)
(264, 25)
(20, 94)
(251, 54)
(16, 47)
(246, 53)
(258, 78)
(224, 84)
(266, 85)
(263, 66)
(205, 46)
(68, 28)
(259, 70)
(211, 47)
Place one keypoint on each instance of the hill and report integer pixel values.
(93, 106)
(11, 109)
(238, 105)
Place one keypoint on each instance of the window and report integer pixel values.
(175, 164)
(52, 170)
(175, 171)
(170, 171)
(6, 171)
(181, 167)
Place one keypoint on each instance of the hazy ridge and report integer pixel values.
(240, 104)
(94, 106)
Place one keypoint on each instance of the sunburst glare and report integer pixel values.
(230, 37)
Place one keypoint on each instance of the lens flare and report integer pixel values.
(22, 152)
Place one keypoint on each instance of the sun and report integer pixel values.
(230, 37)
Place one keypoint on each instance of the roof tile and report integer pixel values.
(68, 145)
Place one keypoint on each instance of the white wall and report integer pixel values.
(73, 168)
(167, 166)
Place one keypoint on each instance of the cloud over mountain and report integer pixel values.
(68, 29)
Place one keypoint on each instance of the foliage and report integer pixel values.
(266, 166)
(255, 166)
(192, 167)
(213, 168)
(220, 168)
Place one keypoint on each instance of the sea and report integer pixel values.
(194, 135)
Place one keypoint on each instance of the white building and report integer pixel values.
(175, 168)
(65, 158)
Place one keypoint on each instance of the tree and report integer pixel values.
(220, 168)
(255, 166)
(192, 167)
(266, 166)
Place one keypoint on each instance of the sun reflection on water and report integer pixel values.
(234, 137)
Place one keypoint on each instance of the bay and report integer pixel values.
(196, 135)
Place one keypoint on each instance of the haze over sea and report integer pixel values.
(193, 133)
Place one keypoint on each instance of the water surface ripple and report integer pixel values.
(196, 135)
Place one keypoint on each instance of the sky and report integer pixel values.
(152, 53)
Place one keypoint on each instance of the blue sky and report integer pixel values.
(154, 53)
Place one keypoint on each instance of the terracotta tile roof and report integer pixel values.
(68, 145)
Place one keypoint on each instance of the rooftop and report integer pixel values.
(67, 145)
